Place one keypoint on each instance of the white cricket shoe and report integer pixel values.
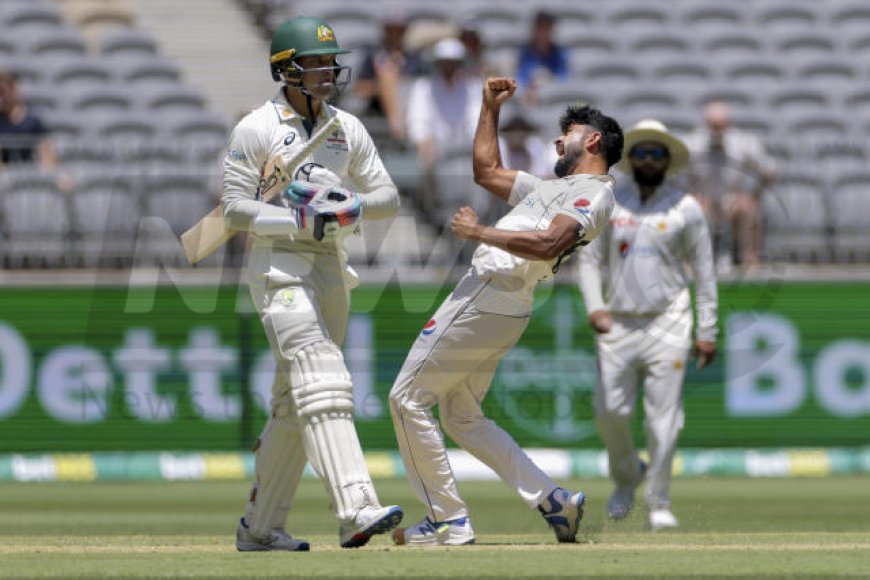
(456, 532)
(621, 501)
(278, 539)
(564, 513)
(368, 522)
(662, 519)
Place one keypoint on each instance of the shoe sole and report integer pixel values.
(381, 526)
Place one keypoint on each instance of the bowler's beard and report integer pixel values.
(648, 180)
(567, 162)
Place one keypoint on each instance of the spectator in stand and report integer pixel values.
(442, 116)
(523, 149)
(385, 70)
(23, 135)
(442, 110)
(541, 59)
(730, 170)
(475, 61)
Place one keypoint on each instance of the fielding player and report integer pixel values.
(300, 284)
(452, 362)
(644, 320)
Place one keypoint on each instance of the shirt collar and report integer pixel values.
(286, 112)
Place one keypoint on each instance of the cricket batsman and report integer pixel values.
(453, 360)
(643, 320)
(300, 284)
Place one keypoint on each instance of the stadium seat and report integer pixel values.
(702, 14)
(54, 43)
(8, 47)
(78, 71)
(804, 100)
(64, 125)
(587, 43)
(30, 16)
(731, 43)
(140, 69)
(634, 12)
(98, 99)
(658, 44)
(734, 95)
(851, 221)
(796, 219)
(794, 44)
(35, 219)
(128, 41)
(561, 93)
(824, 70)
(170, 206)
(27, 70)
(105, 218)
(647, 98)
(123, 127)
(171, 98)
(851, 15)
(202, 125)
(40, 96)
(784, 14)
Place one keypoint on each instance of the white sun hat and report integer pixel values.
(654, 130)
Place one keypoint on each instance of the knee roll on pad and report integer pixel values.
(320, 380)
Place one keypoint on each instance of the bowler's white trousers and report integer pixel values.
(452, 364)
(648, 352)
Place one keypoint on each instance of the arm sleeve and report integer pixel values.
(378, 193)
(246, 156)
(699, 249)
(524, 184)
(592, 259)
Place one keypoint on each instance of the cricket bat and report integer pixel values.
(212, 231)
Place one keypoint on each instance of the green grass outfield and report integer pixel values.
(750, 527)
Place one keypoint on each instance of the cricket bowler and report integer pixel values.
(452, 362)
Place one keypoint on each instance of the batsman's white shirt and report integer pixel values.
(348, 155)
(452, 362)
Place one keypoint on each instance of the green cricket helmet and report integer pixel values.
(305, 36)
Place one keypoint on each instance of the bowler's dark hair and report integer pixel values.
(611, 133)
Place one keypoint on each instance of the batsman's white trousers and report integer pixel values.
(451, 365)
(303, 302)
(648, 352)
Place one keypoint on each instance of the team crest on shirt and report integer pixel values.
(430, 327)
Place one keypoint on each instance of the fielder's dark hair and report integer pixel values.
(612, 140)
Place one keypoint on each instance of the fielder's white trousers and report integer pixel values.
(648, 352)
(452, 367)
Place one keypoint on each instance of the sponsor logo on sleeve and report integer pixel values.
(237, 155)
(430, 327)
(582, 206)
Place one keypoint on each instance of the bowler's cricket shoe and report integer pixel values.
(622, 499)
(278, 539)
(563, 513)
(456, 532)
(369, 521)
(662, 519)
